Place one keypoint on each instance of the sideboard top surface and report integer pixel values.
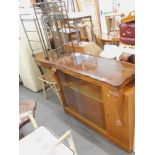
(107, 70)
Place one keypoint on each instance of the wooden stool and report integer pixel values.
(48, 82)
(26, 106)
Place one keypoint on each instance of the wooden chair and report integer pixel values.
(48, 83)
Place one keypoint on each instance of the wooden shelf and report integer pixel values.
(87, 90)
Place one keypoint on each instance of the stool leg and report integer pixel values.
(59, 98)
(44, 89)
(21, 134)
(57, 93)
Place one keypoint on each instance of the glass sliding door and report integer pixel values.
(84, 98)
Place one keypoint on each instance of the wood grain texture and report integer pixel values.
(102, 69)
(98, 92)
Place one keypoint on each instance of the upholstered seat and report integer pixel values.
(44, 142)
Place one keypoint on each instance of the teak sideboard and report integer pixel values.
(98, 92)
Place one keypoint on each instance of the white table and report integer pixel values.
(113, 51)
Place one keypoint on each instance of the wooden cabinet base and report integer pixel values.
(98, 129)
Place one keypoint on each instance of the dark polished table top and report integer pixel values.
(107, 70)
